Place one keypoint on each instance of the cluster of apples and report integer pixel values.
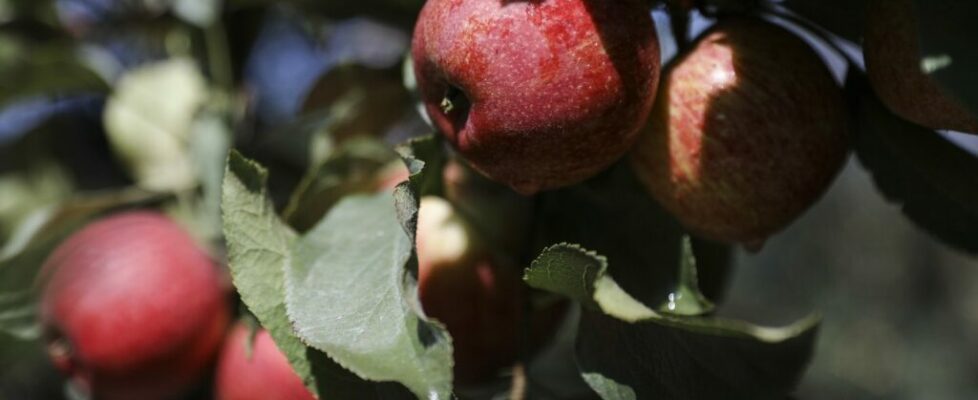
(737, 137)
(133, 308)
(747, 128)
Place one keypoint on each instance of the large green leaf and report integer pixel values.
(934, 181)
(349, 295)
(626, 350)
(259, 250)
(364, 246)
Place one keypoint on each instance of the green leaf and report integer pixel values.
(348, 294)
(210, 140)
(351, 168)
(668, 357)
(946, 32)
(686, 299)
(933, 180)
(259, 250)
(55, 67)
(425, 160)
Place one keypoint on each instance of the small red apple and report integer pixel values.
(255, 371)
(893, 63)
(748, 130)
(133, 308)
(537, 94)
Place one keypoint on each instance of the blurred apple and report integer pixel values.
(253, 368)
(476, 296)
(132, 308)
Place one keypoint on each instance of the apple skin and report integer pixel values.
(892, 52)
(132, 308)
(748, 130)
(259, 373)
(462, 286)
(544, 93)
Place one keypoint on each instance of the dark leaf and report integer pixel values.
(53, 67)
(626, 350)
(946, 29)
(613, 215)
(933, 180)
(352, 168)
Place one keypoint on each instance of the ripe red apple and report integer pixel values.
(461, 285)
(748, 130)
(132, 308)
(893, 63)
(255, 371)
(537, 94)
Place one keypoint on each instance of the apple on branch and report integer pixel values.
(132, 308)
(748, 130)
(537, 94)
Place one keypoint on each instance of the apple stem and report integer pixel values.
(679, 19)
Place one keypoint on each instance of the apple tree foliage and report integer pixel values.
(328, 266)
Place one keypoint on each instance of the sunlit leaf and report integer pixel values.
(259, 250)
(353, 262)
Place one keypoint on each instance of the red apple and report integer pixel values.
(537, 94)
(893, 63)
(133, 308)
(255, 370)
(748, 130)
(461, 285)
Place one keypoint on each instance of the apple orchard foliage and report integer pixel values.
(627, 164)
